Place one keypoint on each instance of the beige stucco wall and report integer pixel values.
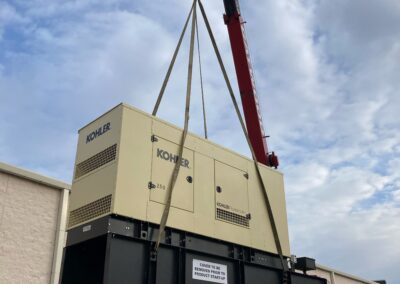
(337, 277)
(29, 218)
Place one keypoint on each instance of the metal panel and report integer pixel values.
(126, 262)
(194, 205)
(231, 195)
(96, 161)
(123, 255)
(253, 274)
(163, 162)
(89, 211)
(87, 231)
(84, 262)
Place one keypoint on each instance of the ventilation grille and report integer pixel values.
(233, 218)
(90, 211)
(96, 161)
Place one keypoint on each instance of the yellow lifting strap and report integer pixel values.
(177, 166)
(260, 179)
(175, 172)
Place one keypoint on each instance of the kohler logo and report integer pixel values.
(98, 132)
(171, 157)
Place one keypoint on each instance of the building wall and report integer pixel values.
(337, 277)
(33, 213)
(29, 219)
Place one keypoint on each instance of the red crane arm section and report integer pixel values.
(247, 88)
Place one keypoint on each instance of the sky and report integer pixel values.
(328, 80)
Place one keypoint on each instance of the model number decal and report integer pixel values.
(228, 207)
(161, 186)
(87, 228)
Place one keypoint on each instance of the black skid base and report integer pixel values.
(116, 250)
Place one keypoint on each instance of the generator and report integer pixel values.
(218, 230)
(125, 159)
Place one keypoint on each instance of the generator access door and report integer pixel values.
(231, 195)
(165, 155)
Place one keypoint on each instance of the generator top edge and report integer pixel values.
(122, 104)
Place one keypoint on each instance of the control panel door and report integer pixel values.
(165, 155)
(231, 195)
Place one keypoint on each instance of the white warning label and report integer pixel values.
(209, 271)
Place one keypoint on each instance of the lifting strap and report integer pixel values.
(175, 173)
(177, 166)
(264, 191)
(171, 65)
(201, 83)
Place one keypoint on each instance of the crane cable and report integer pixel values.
(264, 191)
(177, 166)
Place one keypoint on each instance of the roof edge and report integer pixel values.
(29, 175)
(344, 274)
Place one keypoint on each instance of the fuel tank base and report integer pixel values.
(114, 249)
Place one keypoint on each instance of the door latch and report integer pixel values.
(151, 185)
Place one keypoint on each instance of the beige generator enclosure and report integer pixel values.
(125, 160)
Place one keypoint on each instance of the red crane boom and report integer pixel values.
(247, 87)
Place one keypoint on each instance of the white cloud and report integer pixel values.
(327, 75)
(331, 98)
(8, 16)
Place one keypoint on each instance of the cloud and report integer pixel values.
(329, 87)
(327, 75)
(8, 16)
(72, 72)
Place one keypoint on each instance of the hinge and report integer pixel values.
(154, 138)
(153, 255)
(246, 175)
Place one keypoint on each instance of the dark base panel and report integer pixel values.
(114, 250)
(84, 262)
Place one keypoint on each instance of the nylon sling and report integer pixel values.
(177, 166)
(175, 173)
(264, 192)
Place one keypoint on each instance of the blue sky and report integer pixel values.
(328, 78)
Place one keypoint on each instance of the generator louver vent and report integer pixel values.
(89, 211)
(96, 161)
(233, 218)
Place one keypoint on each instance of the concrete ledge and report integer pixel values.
(344, 274)
(15, 171)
